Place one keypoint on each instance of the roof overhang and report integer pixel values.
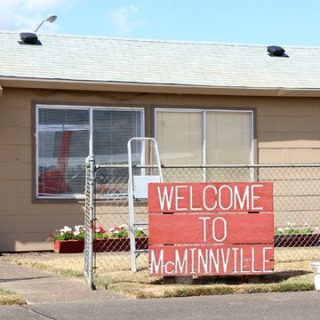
(58, 84)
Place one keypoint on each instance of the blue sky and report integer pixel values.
(285, 22)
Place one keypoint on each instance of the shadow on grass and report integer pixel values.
(22, 279)
(275, 277)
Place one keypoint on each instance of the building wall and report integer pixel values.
(287, 131)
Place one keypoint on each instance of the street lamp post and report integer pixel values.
(51, 18)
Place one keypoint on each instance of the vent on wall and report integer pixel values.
(29, 38)
(277, 51)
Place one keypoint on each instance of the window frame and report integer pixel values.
(90, 109)
(204, 112)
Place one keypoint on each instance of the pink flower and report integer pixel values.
(101, 229)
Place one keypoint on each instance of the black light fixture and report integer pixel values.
(31, 37)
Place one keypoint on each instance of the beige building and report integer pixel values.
(205, 103)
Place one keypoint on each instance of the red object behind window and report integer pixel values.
(53, 180)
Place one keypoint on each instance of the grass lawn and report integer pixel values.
(8, 297)
(113, 273)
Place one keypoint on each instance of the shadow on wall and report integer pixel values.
(29, 230)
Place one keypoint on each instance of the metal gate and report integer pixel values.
(89, 221)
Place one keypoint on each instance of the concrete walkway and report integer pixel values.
(40, 287)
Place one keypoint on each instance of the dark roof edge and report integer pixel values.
(59, 84)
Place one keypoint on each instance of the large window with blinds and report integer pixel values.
(63, 138)
(204, 137)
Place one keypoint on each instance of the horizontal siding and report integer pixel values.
(287, 131)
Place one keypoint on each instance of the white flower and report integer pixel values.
(79, 228)
(116, 231)
(76, 233)
(66, 229)
(123, 226)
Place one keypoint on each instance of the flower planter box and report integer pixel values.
(100, 245)
(68, 246)
(297, 240)
(118, 245)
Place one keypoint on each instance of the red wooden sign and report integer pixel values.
(191, 233)
(210, 229)
(210, 197)
(211, 260)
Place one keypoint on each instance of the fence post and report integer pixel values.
(89, 221)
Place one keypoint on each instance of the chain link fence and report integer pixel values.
(296, 209)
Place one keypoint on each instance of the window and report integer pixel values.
(63, 143)
(204, 137)
(229, 137)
